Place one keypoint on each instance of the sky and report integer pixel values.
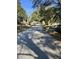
(27, 6)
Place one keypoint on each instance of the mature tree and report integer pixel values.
(37, 3)
(21, 16)
(20, 13)
(47, 11)
(35, 16)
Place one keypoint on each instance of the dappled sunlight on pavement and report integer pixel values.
(36, 44)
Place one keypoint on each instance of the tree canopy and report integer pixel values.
(20, 13)
(46, 10)
(37, 3)
(21, 16)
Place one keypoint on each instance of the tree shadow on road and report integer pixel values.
(30, 44)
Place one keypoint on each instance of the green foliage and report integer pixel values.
(47, 13)
(35, 16)
(37, 3)
(21, 17)
(21, 13)
(51, 14)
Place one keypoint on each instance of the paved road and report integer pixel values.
(35, 43)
